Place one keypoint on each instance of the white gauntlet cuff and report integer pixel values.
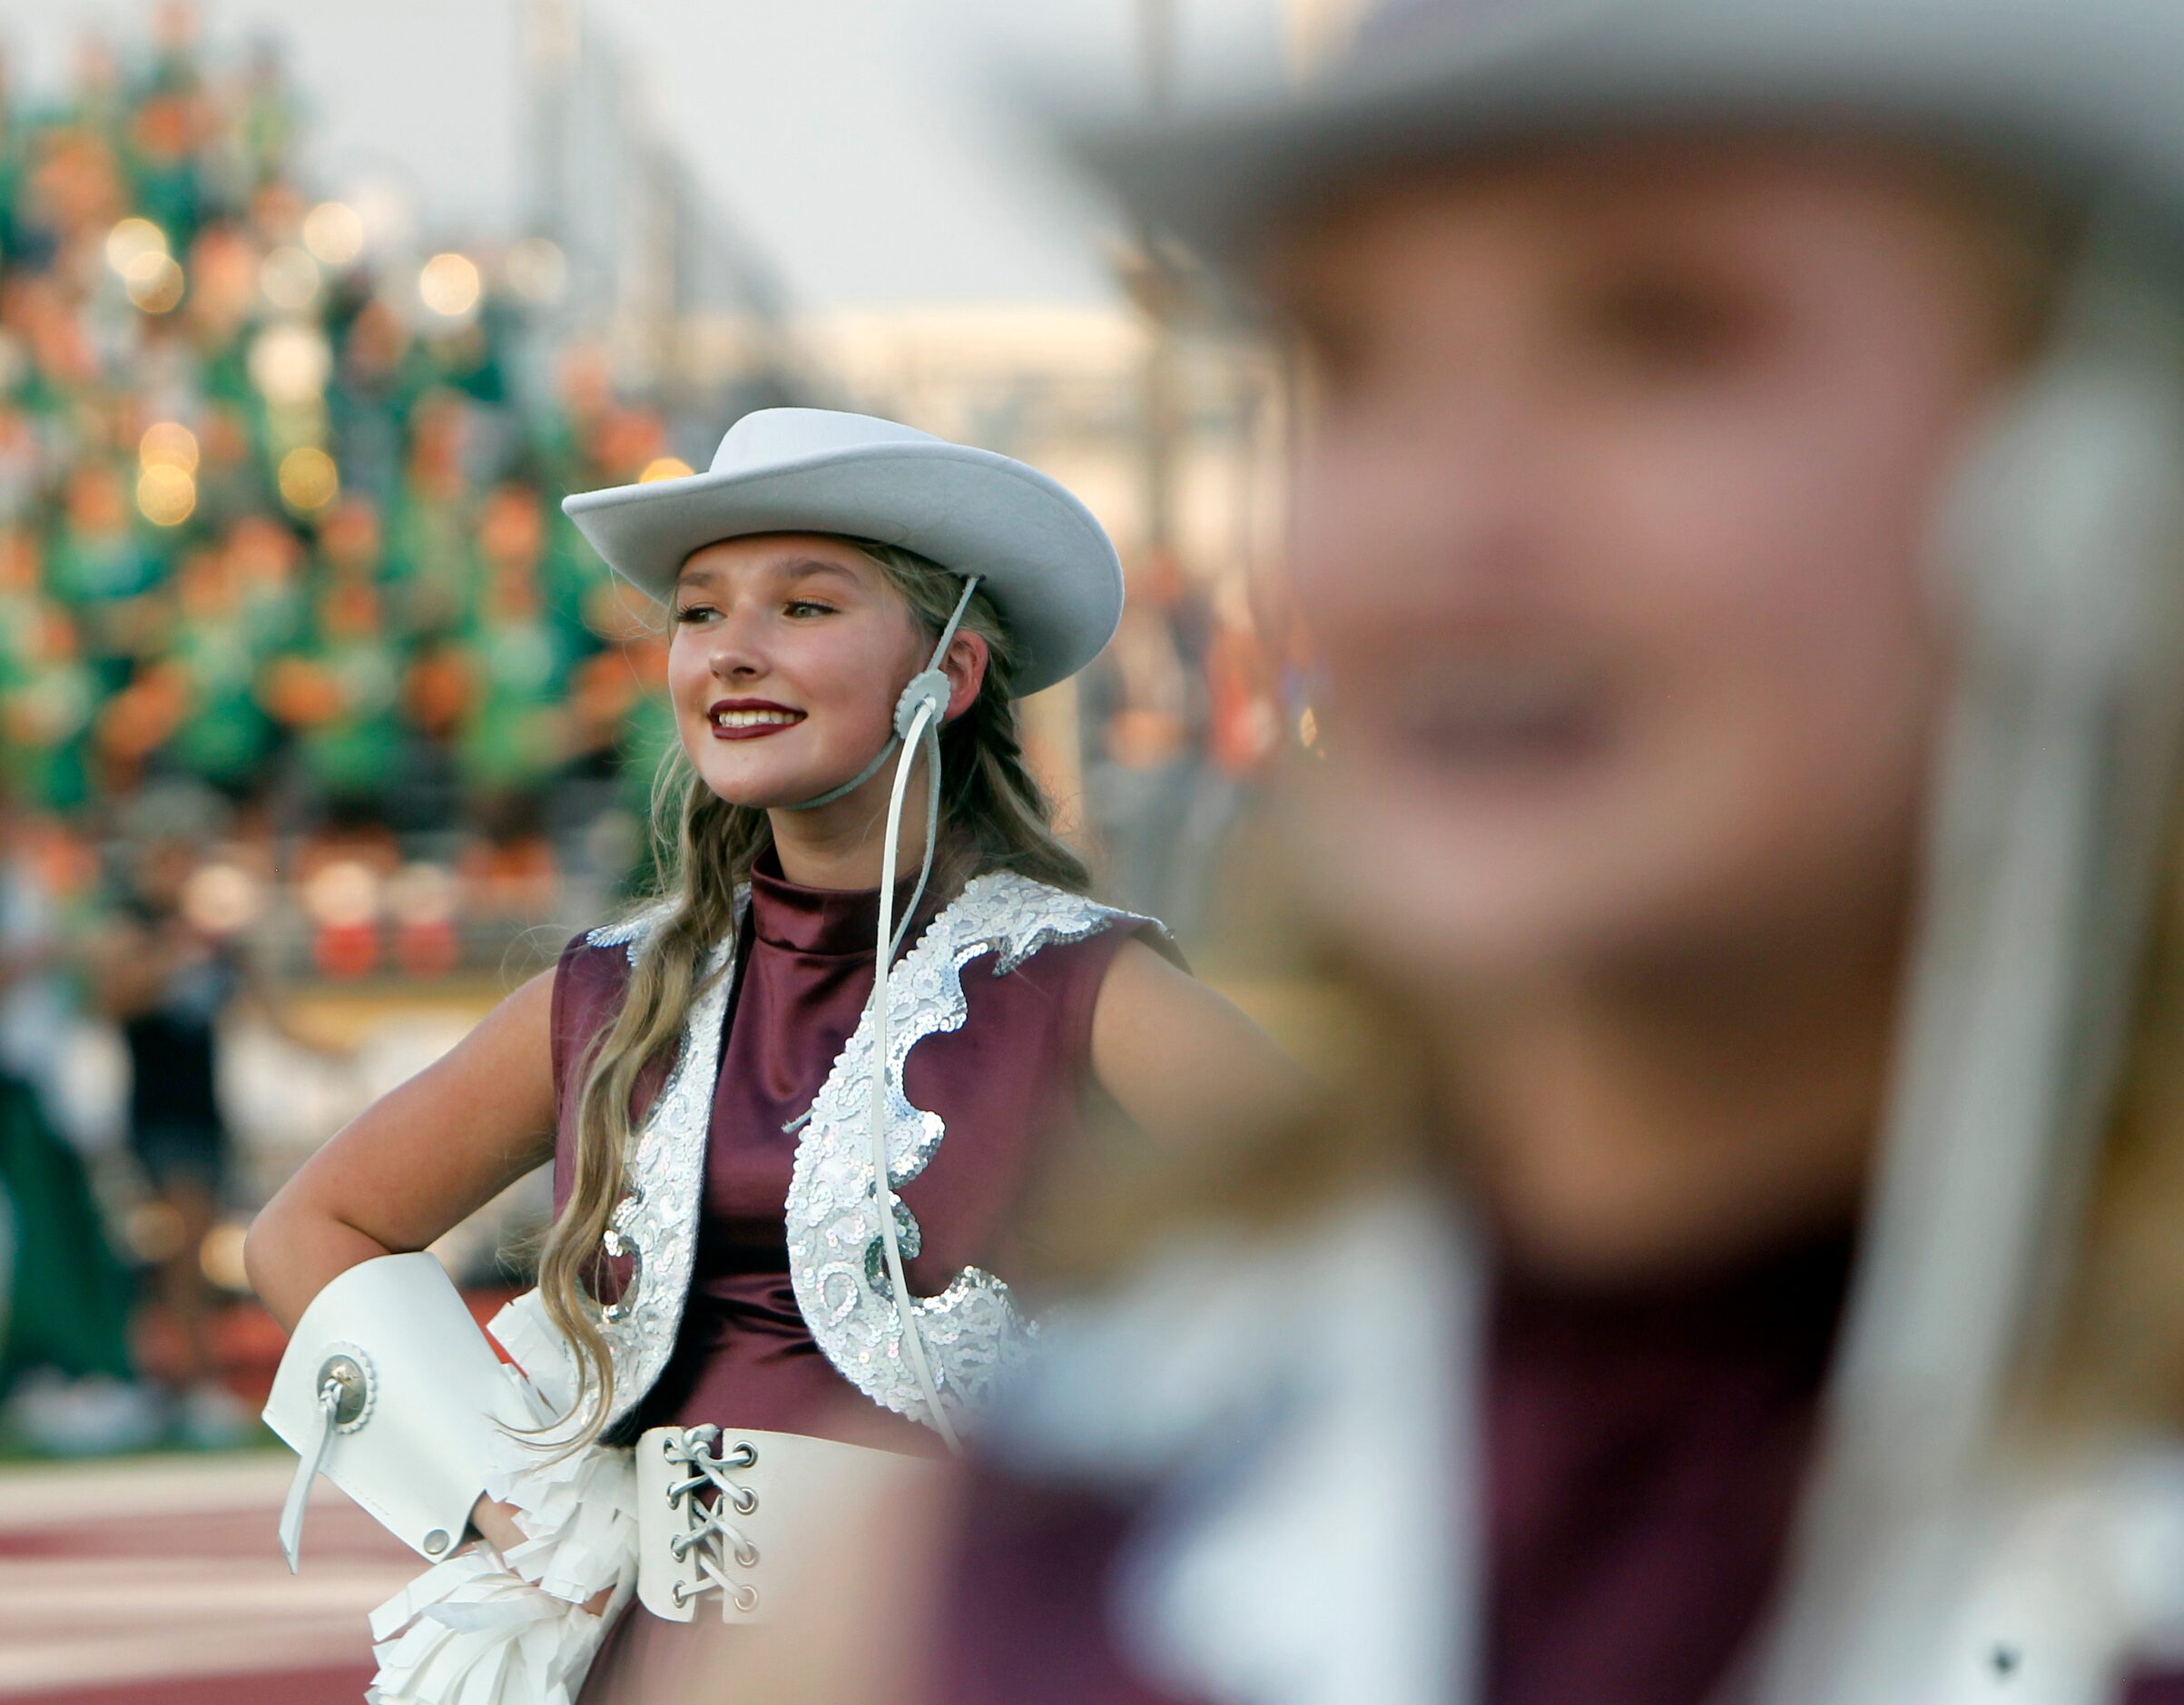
(485, 1629)
(389, 1389)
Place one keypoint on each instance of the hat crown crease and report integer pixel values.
(780, 435)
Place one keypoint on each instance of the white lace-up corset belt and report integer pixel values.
(733, 1518)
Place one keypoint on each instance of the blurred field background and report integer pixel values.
(307, 324)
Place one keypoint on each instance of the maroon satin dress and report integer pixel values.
(1643, 1454)
(1016, 1077)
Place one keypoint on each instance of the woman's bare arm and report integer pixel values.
(417, 1160)
(1182, 1061)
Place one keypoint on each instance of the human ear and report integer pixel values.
(965, 666)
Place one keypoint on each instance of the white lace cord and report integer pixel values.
(716, 1540)
(923, 700)
(931, 689)
(309, 1461)
(853, 783)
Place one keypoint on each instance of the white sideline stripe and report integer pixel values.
(168, 1655)
(177, 1607)
(43, 1494)
(343, 1627)
(34, 1591)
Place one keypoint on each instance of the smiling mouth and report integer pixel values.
(750, 725)
(1507, 721)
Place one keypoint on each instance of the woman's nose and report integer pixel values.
(734, 653)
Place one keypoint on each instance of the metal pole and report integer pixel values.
(1156, 67)
(550, 45)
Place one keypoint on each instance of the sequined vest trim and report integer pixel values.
(972, 1330)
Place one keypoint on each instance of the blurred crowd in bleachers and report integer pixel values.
(278, 499)
(279, 533)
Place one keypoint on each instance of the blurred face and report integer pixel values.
(510, 531)
(350, 535)
(1610, 532)
(96, 499)
(789, 651)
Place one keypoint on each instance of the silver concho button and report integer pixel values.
(348, 1370)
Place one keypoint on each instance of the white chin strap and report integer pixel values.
(917, 714)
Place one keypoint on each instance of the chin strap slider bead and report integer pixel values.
(929, 690)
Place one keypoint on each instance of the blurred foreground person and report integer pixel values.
(1740, 520)
(67, 1385)
(171, 975)
(789, 1105)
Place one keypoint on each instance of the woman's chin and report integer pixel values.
(750, 797)
(770, 789)
(751, 786)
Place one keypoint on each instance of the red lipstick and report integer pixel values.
(750, 718)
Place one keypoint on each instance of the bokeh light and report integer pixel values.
(154, 280)
(420, 892)
(342, 894)
(385, 210)
(290, 277)
(537, 270)
(131, 241)
(308, 479)
(166, 496)
(222, 898)
(220, 1257)
(334, 233)
(291, 363)
(168, 444)
(448, 285)
(154, 1231)
(663, 468)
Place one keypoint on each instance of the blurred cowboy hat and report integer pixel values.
(1047, 566)
(2080, 92)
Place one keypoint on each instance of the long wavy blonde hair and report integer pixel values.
(994, 817)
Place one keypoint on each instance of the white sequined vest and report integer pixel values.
(972, 1329)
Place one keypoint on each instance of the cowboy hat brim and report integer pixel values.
(1046, 563)
(2074, 91)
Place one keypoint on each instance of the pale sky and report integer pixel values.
(848, 138)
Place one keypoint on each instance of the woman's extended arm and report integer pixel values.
(413, 1164)
(1182, 1061)
(416, 1161)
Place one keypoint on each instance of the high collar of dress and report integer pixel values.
(823, 922)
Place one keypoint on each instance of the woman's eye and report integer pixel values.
(807, 606)
(1672, 326)
(693, 612)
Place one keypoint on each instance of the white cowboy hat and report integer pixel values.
(2083, 93)
(1046, 564)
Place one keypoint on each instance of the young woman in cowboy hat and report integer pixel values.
(1744, 524)
(788, 1105)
